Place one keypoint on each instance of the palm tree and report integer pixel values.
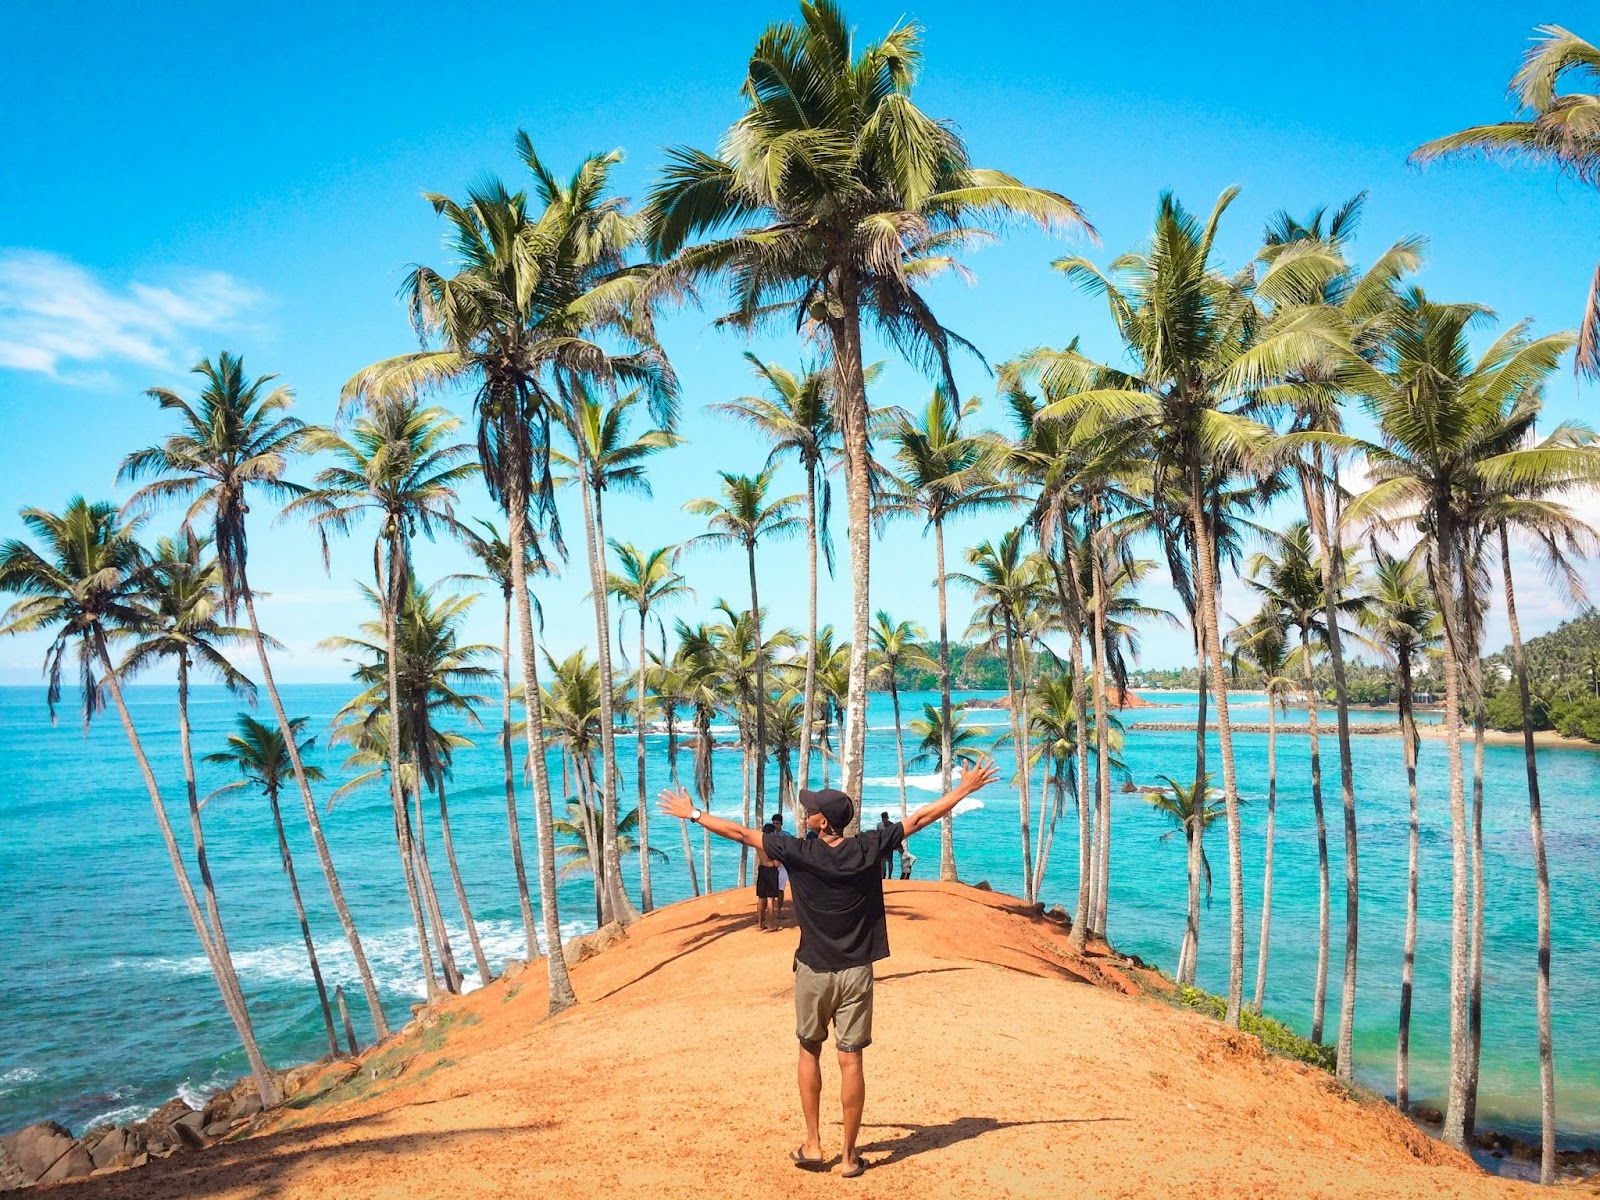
(646, 581)
(744, 516)
(235, 440)
(896, 647)
(1289, 583)
(1402, 619)
(536, 292)
(796, 416)
(1199, 359)
(940, 472)
(1262, 643)
(1552, 127)
(1192, 807)
(1441, 442)
(83, 588)
(257, 752)
(669, 681)
(179, 620)
(398, 464)
(604, 459)
(842, 197)
(582, 824)
(1056, 730)
(572, 711)
(1006, 582)
(698, 665)
(493, 555)
(938, 740)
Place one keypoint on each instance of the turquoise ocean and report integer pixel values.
(107, 1007)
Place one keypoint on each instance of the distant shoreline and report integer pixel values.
(1547, 739)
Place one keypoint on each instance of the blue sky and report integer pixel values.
(183, 178)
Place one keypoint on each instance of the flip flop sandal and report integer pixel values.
(805, 1162)
(854, 1169)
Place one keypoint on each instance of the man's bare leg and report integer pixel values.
(852, 1098)
(810, 1077)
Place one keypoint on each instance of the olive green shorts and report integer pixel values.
(842, 999)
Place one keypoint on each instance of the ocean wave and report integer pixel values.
(17, 1075)
(922, 783)
(392, 955)
(126, 1115)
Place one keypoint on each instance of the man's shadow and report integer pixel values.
(919, 1138)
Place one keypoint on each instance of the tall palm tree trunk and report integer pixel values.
(305, 925)
(561, 994)
(1081, 913)
(1230, 784)
(460, 889)
(744, 787)
(1332, 560)
(430, 894)
(762, 698)
(229, 978)
(845, 335)
(1189, 954)
(622, 908)
(266, 1084)
(672, 770)
(380, 1023)
(899, 742)
(416, 885)
(1408, 959)
(1541, 875)
(947, 827)
(1025, 762)
(524, 901)
(584, 776)
(1475, 946)
(646, 893)
(1102, 740)
(1014, 707)
(1266, 866)
(808, 702)
(1319, 991)
(1444, 586)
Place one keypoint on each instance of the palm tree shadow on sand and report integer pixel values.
(920, 1138)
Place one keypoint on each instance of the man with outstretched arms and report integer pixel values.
(838, 901)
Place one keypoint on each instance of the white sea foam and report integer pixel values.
(126, 1115)
(921, 783)
(392, 955)
(17, 1075)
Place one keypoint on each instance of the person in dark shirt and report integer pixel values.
(838, 901)
(766, 885)
(884, 825)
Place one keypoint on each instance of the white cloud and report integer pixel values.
(57, 318)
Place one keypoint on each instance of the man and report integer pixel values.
(783, 871)
(884, 825)
(838, 901)
(766, 885)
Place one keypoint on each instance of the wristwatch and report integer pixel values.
(695, 814)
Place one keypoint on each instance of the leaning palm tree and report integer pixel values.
(939, 472)
(1401, 618)
(492, 553)
(1262, 644)
(540, 289)
(82, 589)
(1288, 578)
(645, 581)
(1552, 127)
(582, 825)
(572, 725)
(1057, 727)
(667, 679)
(937, 740)
(235, 440)
(256, 751)
(1006, 581)
(1442, 442)
(744, 516)
(698, 667)
(896, 646)
(605, 459)
(796, 416)
(1192, 807)
(396, 462)
(179, 620)
(842, 197)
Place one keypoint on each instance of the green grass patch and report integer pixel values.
(1274, 1035)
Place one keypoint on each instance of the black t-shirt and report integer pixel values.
(838, 895)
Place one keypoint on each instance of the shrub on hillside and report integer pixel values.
(1274, 1035)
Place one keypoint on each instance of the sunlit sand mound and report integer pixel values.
(1004, 1065)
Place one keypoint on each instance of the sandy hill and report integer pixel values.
(1004, 1066)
